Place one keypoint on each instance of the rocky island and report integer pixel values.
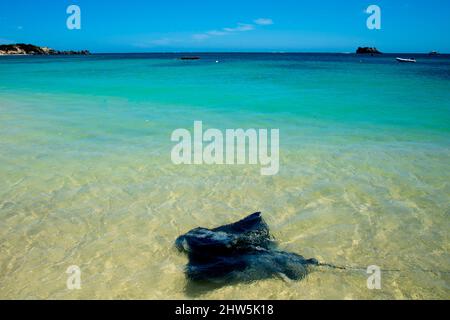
(29, 49)
(367, 50)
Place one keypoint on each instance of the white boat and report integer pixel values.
(412, 60)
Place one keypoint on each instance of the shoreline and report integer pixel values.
(15, 54)
(30, 49)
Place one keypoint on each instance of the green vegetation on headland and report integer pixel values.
(29, 49)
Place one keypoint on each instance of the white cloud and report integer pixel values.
(240, 27)
(217, 33)
(263, 21)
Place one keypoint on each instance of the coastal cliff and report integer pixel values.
(29, 49)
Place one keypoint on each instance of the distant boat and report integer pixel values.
(412, 60)
(190, 58)
(433, 53)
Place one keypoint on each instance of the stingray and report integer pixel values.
(243, 251)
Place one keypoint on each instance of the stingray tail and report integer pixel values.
(364, 269)
(333, 266)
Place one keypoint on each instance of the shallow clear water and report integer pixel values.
(87, 180)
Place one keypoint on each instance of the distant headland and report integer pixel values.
(29, 49)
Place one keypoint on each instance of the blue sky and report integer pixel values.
(228, 25)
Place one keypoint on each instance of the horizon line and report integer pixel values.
(268, 51)
(271, 52)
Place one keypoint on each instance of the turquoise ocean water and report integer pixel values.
(87, 180)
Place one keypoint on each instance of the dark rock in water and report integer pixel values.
(190, 58)
(238, 252)
(367, 50)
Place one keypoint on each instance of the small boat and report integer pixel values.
(411, 60)
(190, 58)
(433, 53)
